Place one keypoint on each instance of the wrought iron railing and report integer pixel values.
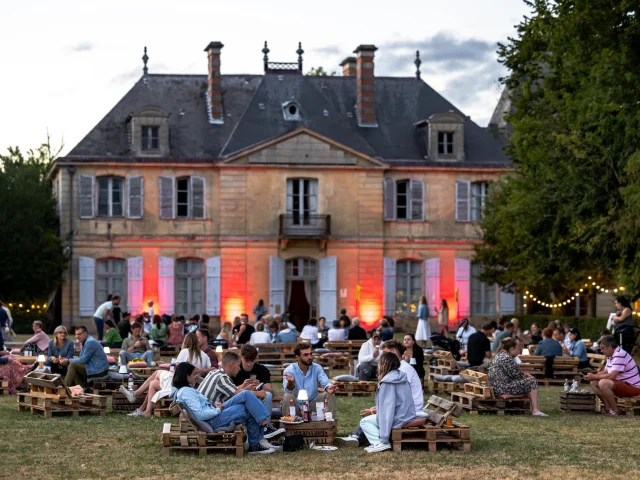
(297, 225)
(283, 67)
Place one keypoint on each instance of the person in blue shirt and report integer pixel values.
(577, 348)
(287, 335)
(92, 361)
(306, 375)
(60, 351)
(242, 408)
(549, 348)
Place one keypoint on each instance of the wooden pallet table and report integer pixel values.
(320, 433)
(355, 389)
(499, 406)
(183, 437)
(75, 405)
(456, 436)
(577, 402)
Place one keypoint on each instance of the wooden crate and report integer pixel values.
(480, 391)
(4, 387)
(183, 437)
(75, 405)
(443, 371)
(628, 405)
(355, 389)
(446, 387)
(578, 402)
(434, 437)
(499, 406)
(449, 363)
(475, 377)
(443, 354)
(320, 433)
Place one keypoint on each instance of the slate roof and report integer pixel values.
(252, 107)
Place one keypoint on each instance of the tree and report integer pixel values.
(571, 209)
(32, 260)
(320, 72)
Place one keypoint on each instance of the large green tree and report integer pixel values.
(572, 207)
(32, 260)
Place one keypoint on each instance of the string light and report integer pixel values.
(567, 301)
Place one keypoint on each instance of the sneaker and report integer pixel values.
(136, 413)
(267, 444)
(127, 393)
(259, 449)
(269, 432)
(610, 413)
(349, 441)
(378, 447)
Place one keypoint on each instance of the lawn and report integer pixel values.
(116, 446)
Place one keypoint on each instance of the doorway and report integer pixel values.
(302, 290)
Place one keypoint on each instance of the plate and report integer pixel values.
(291, 423)
(324, 448)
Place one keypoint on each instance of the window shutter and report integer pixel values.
(417, 200)
(167, 185)
(85, 196)
(290, 194)
(328, 287)
(87, 286)
(432, 287)
(134, 286)
(276, 285)
(213, 286)
(389, 286)
(389, 186)
(197, 197)
(313, 196)
(462, 285)
(463, 203)
(136, 204)
(166, 292)
(507, 303)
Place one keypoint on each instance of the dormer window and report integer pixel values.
(291, 111)
(445, 143)
(149, 132)
(150, 140)
(443, 134)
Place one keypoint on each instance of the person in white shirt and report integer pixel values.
(151, 312)
(463, 334)
(335, 333)
(368, 357)
(102, 313)
(192, 353)
(259, 336)
(310, 332)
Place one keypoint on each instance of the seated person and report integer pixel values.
(243, 408)
(577, 348)
(286, 334)
(549, 349)
(39, 342)
(356, 332)
(12, 370)
(192, 326)
(567, 340)
(91, 363)
(158, 333)
(60, 351)
(273, 331)
(322, 327)
(603, 333)
(136, 346)
(536, 334)
(506, 333)
(465, 330)
(204, 336)
(335, 333)
(112, 338)
(306, 375)
(414, 355)
(508, 380)
(243, 330)
(158, 385)
(620, 377)
(559, 336)
(368, 357)
(394, 405)
(260, 336)
(386, 332)
(479, 347)
(310, 332)
(250, 369)
(124, 325)
(192, 354)
(176, 335)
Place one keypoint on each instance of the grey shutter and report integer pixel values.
(417, 200)
(197, 197)
(136, 204)
(328, 280)
(213, 286)
(166, 197)
(389, 286)
(87, 286)
(463, 203)
(85, 196)
(389, 199)
(277, 279)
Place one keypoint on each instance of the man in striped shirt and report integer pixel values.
(620, 378)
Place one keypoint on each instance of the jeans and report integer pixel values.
(366, 371)
(370, 428)
(268, 404)
(126, 357)
(99, 326)
(242, 408)
(77, 375)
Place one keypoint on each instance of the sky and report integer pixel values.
(66, 63)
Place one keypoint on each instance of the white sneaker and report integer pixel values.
(265, 443)
(378, 447)
(127, 393)
(135, 413)
(349, 441)
(259, 449)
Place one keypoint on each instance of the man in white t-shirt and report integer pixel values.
(102, 313)
(335, 333)
(259, 336)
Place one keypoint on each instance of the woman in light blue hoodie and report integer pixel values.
(394, 404)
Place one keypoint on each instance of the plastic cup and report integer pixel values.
(329, 417)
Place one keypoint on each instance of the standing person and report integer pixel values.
(60, 351)
(6, 322)
(151, 310)
(423, 331)
(40, 340)
(259, 310)
(347, 320)
(92, 361)
(414, 355)
(463, 334)
(479, 347)
(443, 318)
(102, 313)
(623, 324)
(136, 346)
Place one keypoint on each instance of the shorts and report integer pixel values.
(623, 389)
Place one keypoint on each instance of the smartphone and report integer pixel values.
(259, 387)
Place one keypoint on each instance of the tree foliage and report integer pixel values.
(572, 207)
(320, 72)
(32, 260)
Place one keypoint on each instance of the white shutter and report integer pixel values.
(136, 196)
(389, 187)
(166, 291)
(213, 286)
(276, 286)
(290, 194)
(328, 280)
(462, 285)
(463, 201)
(389, 286)
(167, 204)
(197, 197)
(85, 196)
(87, 286)
(432, 284)
(134, 286)
(313, 196)
(417, 200)
(507, 303)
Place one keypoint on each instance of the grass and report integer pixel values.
(117, 446)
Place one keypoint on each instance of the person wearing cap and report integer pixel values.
(368, 357)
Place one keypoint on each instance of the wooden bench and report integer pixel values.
(499, 406)
(564, 368)
(184, 437)
(355, 389)
(456, 435)
(75, 405)
(352, 347)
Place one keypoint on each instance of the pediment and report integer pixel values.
(447, 117)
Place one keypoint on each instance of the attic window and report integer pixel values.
(291, 111)
(149, 138)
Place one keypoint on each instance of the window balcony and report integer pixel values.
(300, 226)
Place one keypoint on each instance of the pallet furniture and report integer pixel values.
(456, 435)
(120, 404)
(577, 402)
(564, 368)
(4, 387)
(184, 437)
(108, 387)
(473, 376)
(320, 433)
(352, 347)
(499, 406)
(628, 405)
(446, 387)
(478, 385)
(355, 389)
(597, 361)
(341, 362)
(75, 405)
(440, 411)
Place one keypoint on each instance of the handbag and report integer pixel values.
(293, 442)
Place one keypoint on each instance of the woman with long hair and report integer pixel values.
(394, 404)
(176, 336)
(192, 354)
(423, 332)
(465, 330)
(443, 318)
(158, 332)
(577, 348)
(60, 351)
(414, 355)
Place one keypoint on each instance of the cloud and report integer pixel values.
(467, 86)
(328, 50)
(128, 76)
(82, 47)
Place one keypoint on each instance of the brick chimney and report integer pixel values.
(365, 86)
(349, 67)
(214, 83)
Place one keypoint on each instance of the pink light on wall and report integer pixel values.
(370, 314)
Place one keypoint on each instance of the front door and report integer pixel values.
(302, 290)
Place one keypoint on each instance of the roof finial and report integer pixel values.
(300, 51)
(145, 59)
(265, 50)
(418, 62)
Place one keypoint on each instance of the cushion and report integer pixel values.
(443, 378)
(321, 350)
(416, 422)
(200, 425)
(137, 365)
(345, 378)
(164, 365)
(459, 379)
(332, 355)
(464, 364)
(111, 359)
